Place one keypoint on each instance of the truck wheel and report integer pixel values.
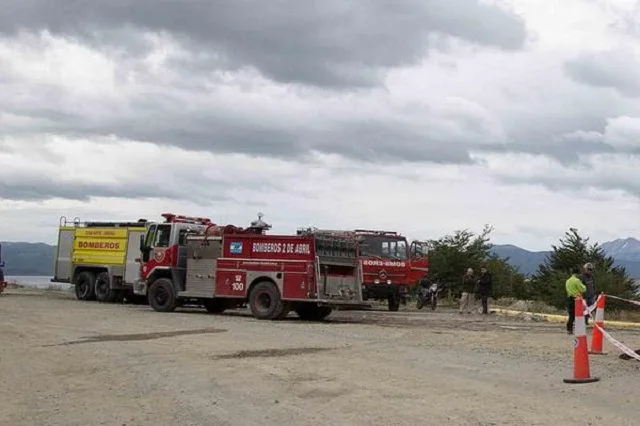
(394, 303)
(311, 312)
(265, 301)
(103, 290)
(285, 310)
(85, 286)
(215, 306)
(162, 296)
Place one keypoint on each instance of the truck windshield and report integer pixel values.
(158, 235)
(383, 247)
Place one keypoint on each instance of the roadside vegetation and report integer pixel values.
(544, 292)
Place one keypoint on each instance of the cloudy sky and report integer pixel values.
(421, 116)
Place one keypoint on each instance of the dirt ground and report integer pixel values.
(66, 362)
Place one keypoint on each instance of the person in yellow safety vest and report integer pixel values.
(574, 287)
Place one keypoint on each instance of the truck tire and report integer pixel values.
(265, 301)
(215, 306)
(162, 296)
(285, 310)
(394, 303)
(311, 312)
(104, 292)
(85, 285)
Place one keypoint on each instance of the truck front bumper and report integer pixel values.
(140, 288)
(383, 291)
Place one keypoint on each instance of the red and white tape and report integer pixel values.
(589, 309)
(634, 302)
(618, 345)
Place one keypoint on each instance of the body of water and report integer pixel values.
(35, 281)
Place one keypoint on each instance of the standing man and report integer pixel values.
(589, 281)
(485, 285)
(467, 300)
(574, 287)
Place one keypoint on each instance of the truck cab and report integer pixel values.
(163, 250)
(391, 265)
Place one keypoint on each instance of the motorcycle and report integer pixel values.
(428, 294)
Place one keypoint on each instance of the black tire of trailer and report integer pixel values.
(394, 303)
(104, 292)
(312, 312)
(85, 285)
(265, 301)
(162, 295)
(215, 306)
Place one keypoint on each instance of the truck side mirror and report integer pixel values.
(142, 247)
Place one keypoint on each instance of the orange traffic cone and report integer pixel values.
(581, 373)
(596, 334)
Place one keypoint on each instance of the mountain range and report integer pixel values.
(625, 251)
(36, 259)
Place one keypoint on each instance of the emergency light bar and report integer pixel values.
(175, 218)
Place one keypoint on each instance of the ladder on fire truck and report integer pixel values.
(99, 224)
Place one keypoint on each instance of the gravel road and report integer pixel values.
(66, 362)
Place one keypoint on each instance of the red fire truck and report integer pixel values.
(196, 262)
(391, 266)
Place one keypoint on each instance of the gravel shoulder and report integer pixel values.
(66, 362)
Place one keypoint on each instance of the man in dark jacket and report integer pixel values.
(485, 284)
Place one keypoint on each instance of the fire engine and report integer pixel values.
(3, 283)
(391, 266)
(226, 267)
(98, 258)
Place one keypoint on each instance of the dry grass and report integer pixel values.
(533, 306)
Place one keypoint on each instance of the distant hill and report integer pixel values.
(28, 259)
(623, 249)
(526, 261)
(626, 253)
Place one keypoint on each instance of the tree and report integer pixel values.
(548, 283)
(451, 255)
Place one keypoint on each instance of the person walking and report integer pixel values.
(468, 288)
(574, 287)
(485, 285)
(589, 280)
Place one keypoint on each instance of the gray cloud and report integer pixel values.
(35, 188)
(332, 43)
(335, 45)
(566, 152)
(168, 119)
(575, 185)
(612, 69)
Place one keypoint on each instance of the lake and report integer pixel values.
(35, 281)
